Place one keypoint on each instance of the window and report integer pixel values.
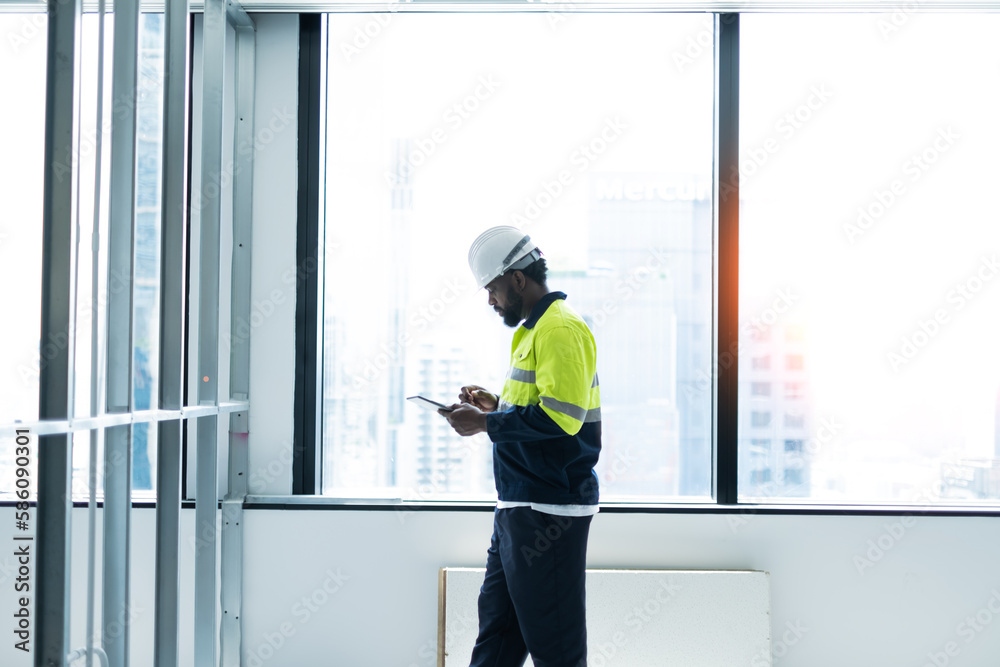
(761, 363)
(600, 164)
(760, 419)
(793, 446)
(794, 362)
(760, 388)
(794, 420)
(761, 476)
(794, 390)
(794, 333)
(868, 233)
(24, 70)
(793, 476)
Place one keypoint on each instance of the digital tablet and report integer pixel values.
(428, 403)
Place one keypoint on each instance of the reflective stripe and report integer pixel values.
(568, 409)
(503, 405)
(593, 415)
(522, 375)
(595, 383)
(517, 248)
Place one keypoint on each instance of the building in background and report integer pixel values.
(646, 294)
(776, 412)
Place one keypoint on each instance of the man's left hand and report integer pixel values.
(466, 419)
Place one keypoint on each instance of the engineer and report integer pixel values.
(546, 433)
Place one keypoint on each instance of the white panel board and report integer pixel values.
(639, 618)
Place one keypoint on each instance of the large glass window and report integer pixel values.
(593, 133)
(869, 247)
(22, 353)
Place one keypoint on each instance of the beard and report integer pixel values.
(512, 313)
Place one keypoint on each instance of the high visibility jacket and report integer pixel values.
(546, 431)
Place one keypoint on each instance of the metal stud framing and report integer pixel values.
(58, 276)
(56, 422)
(239, 349)
(118, 439)
(173, 221)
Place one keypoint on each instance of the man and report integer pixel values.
(546, 433)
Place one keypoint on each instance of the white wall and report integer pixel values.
(913, 600)
(272, 297)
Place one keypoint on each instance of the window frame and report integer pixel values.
(307, 452)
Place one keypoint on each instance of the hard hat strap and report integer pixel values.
(525, 261)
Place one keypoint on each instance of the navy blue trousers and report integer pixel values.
(533, 598)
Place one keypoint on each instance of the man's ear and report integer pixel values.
(520, 282)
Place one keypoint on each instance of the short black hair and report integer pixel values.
(536, 271)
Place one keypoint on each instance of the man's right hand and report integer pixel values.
(479, 397)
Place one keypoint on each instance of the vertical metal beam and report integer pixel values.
(118, 439)
(239, 350)
(51, 610)
(206, 492)
(727, 228)
(306, 459)
(173, 223)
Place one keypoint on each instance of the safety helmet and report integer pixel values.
(499, 250)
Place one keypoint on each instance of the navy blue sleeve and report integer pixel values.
(522, 423)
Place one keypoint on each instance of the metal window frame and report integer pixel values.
(725, 454)
(306, 448)
(493, 6)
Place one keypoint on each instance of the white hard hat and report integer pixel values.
(498, 250)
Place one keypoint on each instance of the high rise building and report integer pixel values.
(646, 294)
(776, 416)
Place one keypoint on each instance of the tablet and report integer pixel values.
(428, 403)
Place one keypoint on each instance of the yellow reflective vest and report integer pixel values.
(547, 427)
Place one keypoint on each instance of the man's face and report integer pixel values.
(505, 300)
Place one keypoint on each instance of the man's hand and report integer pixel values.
(479, 397)
(465, 419)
